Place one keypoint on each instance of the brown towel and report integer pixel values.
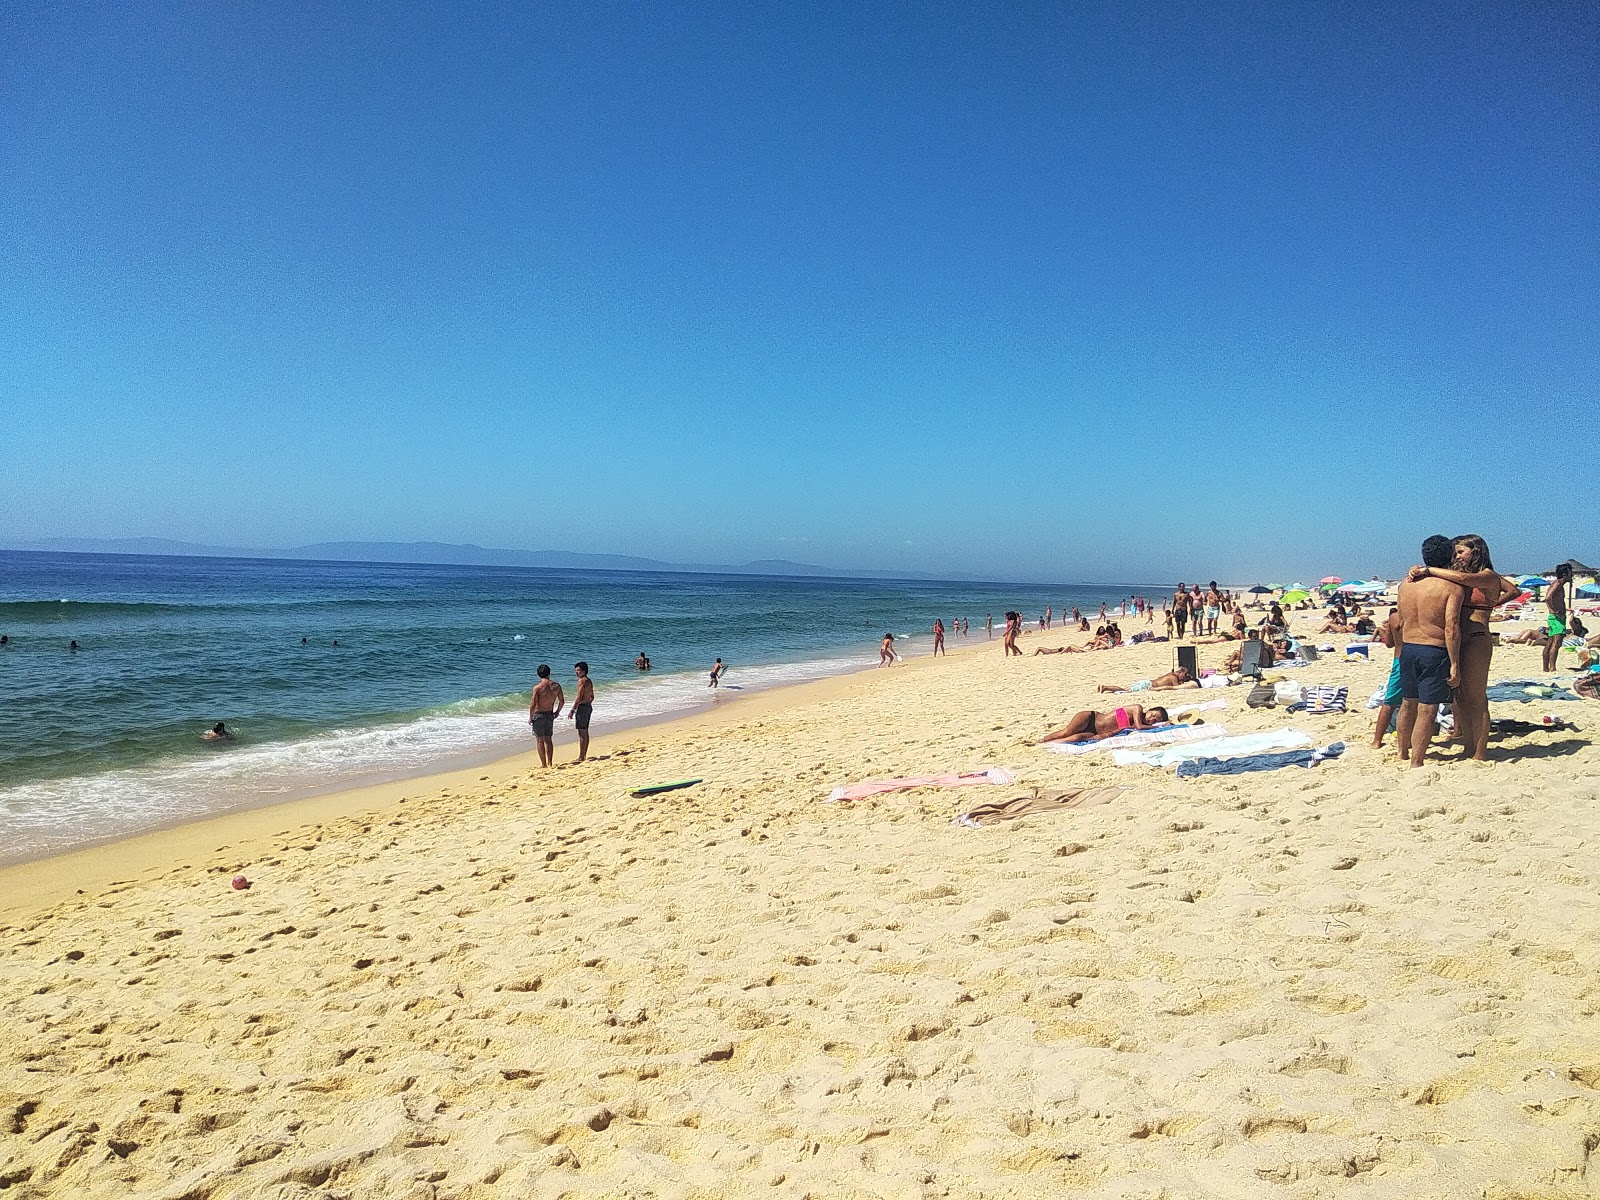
(1024, 806)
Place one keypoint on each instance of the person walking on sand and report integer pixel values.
(938, 637)
(1428, 628)
(716, 674)
(582, 707)
(988, 626)
(1013, 627)
(543, 708)
(886, 654)
(1556, 624)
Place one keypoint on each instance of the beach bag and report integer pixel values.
(1287, 692)
(1587, 685)
(1261, 696)
(1325, 698)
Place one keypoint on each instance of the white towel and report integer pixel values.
(1141, 737)
(1177, 710)
(1228, 747)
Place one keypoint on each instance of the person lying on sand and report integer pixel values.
(1528, 637)
(1089, 726)
(1171, 681)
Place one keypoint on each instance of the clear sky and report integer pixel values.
(1078, 292)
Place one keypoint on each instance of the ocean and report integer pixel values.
(337, 674)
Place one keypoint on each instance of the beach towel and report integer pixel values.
(1026, 806)
(875, 787)
(1525, 691)
(1177, 710)
(1245, 743)
(1164, 736)
(1257, 762)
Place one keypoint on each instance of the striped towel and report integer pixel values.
(1325, 698)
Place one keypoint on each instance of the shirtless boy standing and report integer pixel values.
(546, 705)
(1427, 628)
(1556, 623)
(582, 706)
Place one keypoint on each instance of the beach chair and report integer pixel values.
(1189, 659)
(1250, 657)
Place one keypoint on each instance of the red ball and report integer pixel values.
(240, 883)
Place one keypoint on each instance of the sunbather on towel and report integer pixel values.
(1161, 683)
(1089, 726)
(1527, 637)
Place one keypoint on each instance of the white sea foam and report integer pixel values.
(49, 816)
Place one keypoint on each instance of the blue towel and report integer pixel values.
(1517, 689)
(1190, 768)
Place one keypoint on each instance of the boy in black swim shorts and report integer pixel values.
(545, 706)
(582, 706)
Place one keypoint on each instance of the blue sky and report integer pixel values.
(1031, 291)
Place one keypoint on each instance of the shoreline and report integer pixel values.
(445, 762)
(143, 853)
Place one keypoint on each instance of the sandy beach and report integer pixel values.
(509, 982)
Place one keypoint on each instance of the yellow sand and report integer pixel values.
(1349, 980)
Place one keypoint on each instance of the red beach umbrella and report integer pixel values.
(1329, 579)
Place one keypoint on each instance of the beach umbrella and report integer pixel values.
(1296, 596)
(1589, 589)
(1578, 568)
(1329, 579)
(1260, 590)
(1531, 581)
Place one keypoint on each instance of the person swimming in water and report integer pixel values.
(217, 733)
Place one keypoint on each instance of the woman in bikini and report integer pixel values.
(1488, 588)
(1089, 726)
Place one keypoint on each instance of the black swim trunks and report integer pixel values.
(1424, 673)
(581, 715)
(544, 724)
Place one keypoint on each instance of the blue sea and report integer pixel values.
(338, 674)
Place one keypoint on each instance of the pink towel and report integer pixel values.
(860, 791)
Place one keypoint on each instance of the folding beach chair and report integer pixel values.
(1189, 659)
(1250, 657)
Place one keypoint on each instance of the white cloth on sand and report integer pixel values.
(1141, 737)
(1177, 710)
(1228, 747)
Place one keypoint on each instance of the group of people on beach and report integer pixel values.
(1439, 632)
(549, 700)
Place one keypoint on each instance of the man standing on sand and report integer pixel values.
(582, 706)
(1427, 627)
(1556, 623)
(543, 709)
(988, 626)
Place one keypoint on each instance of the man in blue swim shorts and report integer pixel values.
(1427, 627)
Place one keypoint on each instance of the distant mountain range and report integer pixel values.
(450, 554)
